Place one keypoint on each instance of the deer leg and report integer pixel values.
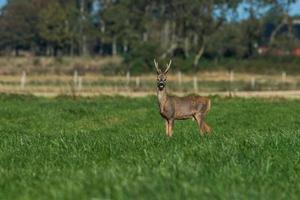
(171, 124)
(206, 128)
(167, 127)
(199, 121)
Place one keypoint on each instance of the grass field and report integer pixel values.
(116, 148)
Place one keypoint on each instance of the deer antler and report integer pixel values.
(168, 67)
(156, 66)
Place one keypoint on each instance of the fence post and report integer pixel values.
(127, 78)
(283, 77)
(23, 80)
(253, 83)
(137, 81)
(79, 83)
(231, 76)
(179, 76)
(195, 84)
(231, 80)
(75, 78)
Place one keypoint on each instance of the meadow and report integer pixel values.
(116, 148)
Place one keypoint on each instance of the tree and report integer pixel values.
(17, 26)
(278, 16)
(53, 26)
(229, 41)
(260, 11)
(118, 27)
(57, 26)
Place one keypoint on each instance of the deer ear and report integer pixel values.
(168, 67)
(156, 66)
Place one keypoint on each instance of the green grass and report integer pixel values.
(116, 148)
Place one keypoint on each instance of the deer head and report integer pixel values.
(162, 75)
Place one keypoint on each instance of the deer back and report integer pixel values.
(184, 107)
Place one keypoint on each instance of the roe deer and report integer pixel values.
(179, 108)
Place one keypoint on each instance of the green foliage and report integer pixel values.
(17, 28)
(142, 30)
(117, 25)
(265, 64)
(140, 58)
(112, 69)
(286, 43)
(53, 24)
(184, 65)
(116, 148)
(229, 41)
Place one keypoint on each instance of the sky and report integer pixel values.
(295, 9)
(2, 2)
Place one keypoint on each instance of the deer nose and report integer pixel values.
(161, 85)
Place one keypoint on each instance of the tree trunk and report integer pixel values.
(165, 35)
(275, 31)
(114, 47)
(125, 47)
(84, 46)
(101, 48)
(33, 49)
(145, 37)
(55, 51)
(173, 32)
(186, 47)
(49, 50)
(102, 41)
(173, 43)
(199, 54)
(102, 28)
(16, 51)
(83, 36)
(72, 48)
(195, 39)
(169, 50)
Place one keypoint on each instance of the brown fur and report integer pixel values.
(179, 108)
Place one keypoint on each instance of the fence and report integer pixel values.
(178, 82)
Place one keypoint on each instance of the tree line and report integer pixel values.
(138, 30)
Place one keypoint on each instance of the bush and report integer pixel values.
(112, 69)
(140, 58)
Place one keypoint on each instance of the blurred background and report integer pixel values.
(91, 47)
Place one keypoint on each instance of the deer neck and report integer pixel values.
(162, 98)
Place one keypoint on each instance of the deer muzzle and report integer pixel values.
(161, 85)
